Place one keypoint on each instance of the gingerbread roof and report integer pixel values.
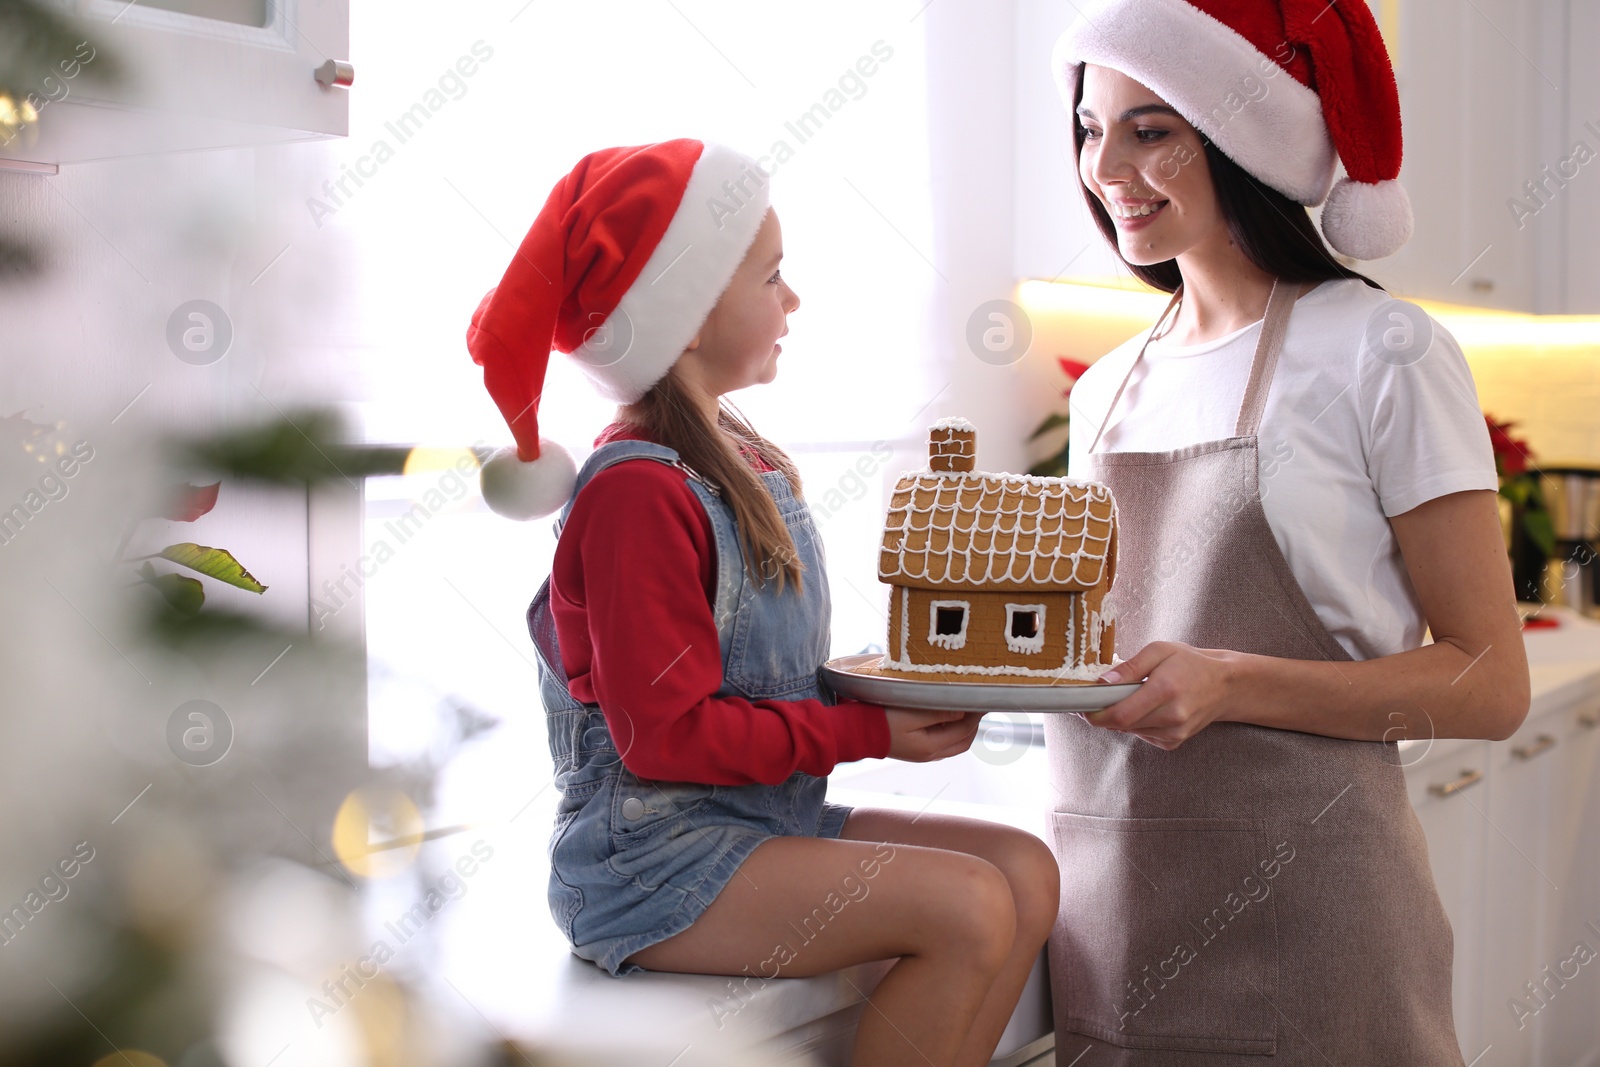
(973, 530)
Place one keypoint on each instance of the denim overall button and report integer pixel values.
(632, 808)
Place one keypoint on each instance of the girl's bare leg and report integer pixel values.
(1034, 881)
(803, 906)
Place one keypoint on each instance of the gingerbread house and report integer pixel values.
(996, 574)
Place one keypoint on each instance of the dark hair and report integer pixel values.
(1274, 232)
(668, 416)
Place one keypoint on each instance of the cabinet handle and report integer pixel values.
(336, 72)
(1589, 719)
(1468, 778)
(1544, 744)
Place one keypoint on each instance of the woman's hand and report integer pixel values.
(925, 736)
(1186, 689)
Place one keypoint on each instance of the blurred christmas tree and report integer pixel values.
(35, 39)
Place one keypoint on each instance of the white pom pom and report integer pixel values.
(1366, 220)
(523, 491)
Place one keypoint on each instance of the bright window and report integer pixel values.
(835, 95)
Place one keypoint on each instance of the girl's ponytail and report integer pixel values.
(669, 416)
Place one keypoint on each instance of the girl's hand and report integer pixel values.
(925, 736)
(1186, 689)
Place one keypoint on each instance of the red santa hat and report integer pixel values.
(626, 259)
(1218, 63)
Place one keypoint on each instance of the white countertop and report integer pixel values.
(1562, 659)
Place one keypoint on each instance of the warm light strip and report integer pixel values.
(1110, 298)
(1471, 327)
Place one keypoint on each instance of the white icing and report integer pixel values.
(1087, 673)
(905, 622)
(1098, 489)
(1008, 518)
(1097, 629)
(1027, 644)
(948, 641)
(954, 422)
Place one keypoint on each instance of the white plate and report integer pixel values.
(908, 692)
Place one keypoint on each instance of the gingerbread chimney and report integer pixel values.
(952, 445)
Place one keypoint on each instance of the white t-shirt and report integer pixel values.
(1347, 439)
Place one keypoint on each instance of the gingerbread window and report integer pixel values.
(947, 623)
(1025, 627)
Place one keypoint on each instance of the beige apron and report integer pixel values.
(1256, 892)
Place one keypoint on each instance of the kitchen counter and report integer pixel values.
(1575, 640)
(1563, 665)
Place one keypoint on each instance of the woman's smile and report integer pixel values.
(1135, 214)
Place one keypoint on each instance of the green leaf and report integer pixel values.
(1541, 529)
(303, 447)
(186, 595)
(1517, 490)
(215, 563)
(1053, 420)
(46, 47)
(1054, 467)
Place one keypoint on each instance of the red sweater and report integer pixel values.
(631, 589)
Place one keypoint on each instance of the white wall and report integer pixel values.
(1055, 234)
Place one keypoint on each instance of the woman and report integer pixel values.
(1303, 481)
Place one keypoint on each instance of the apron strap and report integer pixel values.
(1273, 329)
(1275, 325)
(1177, 294)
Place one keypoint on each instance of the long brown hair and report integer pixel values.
(668, 415)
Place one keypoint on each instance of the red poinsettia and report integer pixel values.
(1519, 484)
(1056, 466)
(1073, 370)
(1512, 455)
(187, 502)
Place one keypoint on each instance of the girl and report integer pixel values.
(1243, 818)
(683, 624)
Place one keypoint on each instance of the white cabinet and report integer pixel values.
(199, 74)
(1518, 888)
(1467, 101)
(1513, 833)
(1444, 785)
(1502, 144)
(1569, 1023)
(1582, 229)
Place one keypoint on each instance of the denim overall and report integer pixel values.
(633, 862)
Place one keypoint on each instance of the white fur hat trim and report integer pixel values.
(520, 490)
(1366, 220)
